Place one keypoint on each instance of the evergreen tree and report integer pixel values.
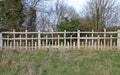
(11, 15)
(69, 25)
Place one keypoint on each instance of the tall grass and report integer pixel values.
(70, 62)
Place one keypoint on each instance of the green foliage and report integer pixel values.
(113, 28)
(68, 25)
(11, 15)
(87, 24)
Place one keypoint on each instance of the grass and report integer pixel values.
(70, 62)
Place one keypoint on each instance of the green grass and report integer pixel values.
(70, 62)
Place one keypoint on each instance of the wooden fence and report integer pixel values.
(60, 40)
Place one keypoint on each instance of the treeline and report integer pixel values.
(57, 15)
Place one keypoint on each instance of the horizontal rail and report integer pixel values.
(56, 32)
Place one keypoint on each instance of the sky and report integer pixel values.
(77, 4)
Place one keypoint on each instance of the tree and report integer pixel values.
(31, 19)
(61, 9)
(30, 12)
(63, 13)
(37, 16)
(86, 24)
(50, 18)
(69, 21)
(101, 13)
(11, 15)
(44, 16)
(69, 24)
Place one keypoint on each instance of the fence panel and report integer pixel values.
(60, 40)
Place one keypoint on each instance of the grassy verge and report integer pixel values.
(69, 62)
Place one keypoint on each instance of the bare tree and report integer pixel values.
(50, 15)
(101, 13)
(30, 12)
(46, 14)
(61, 11)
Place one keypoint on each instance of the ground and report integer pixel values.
(70, 62)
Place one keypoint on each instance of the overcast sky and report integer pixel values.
(77, 4)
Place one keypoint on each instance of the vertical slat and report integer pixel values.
(95, 45)
(111, 41)
(98, 42)
(49, 43)
(104, 38)
(1, 41)
(46, 41)
(20, 42)
(86, 42)
(26, 43)
(64, 38)
(29, 46)
(61, 45)
(83, 45)
(32, 43)
(71, 41)
(52, 40)
(39, 39)
(5, 44)
(58, 41)
(55, 43)
(14, 38)
(108, 46)
(74, 45)
(10, 45)
(89, 46)
(7, 41)
(68, 45)
(78, 39)
(118, 39)
(92, 38)
(23, 45)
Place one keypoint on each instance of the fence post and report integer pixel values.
(78, 39)
(92, 38)
(98, 42)
(104, 38)
(58, 41)
(118, 40)
(14, 39)
(20, 44)
(86, 42)
(64, 38)
(1, 41)
(46, 41)
(39, 39)
(32, 43)
(71, 41)
(26, 42)
(52, 40)
(111, 44)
